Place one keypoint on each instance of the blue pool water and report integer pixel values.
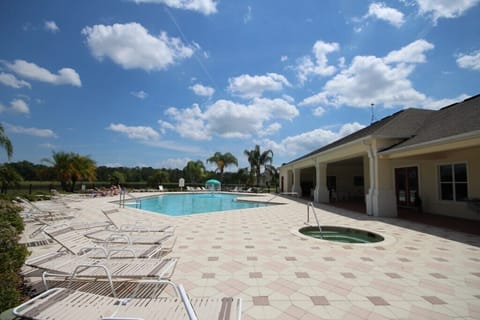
(188, 203)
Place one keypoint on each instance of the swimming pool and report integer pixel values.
(194, 203)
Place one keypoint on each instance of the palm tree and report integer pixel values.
(223, 160)
(8, 177)
(5, 142)
(84, 168)
(257, 159)
(71, 167)
(194, 170)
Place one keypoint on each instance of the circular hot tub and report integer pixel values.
(341, 234)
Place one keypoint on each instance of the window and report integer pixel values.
(453, 182)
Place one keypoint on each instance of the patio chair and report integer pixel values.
(60, 303)
(137, 227)
(66, 265)
(76, 243)
(52, 212)
(166, 239)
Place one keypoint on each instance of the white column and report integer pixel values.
(380, 200)
(296, 182)
(321, 192)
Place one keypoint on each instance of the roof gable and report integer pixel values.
(453, 120)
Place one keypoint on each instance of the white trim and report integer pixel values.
(438, 182)
(457, 138)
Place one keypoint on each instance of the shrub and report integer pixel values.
(12, 255)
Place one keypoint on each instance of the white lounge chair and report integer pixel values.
(110, 213)
(62, 264)
(76, 243)
(60, 303)
(165, 239)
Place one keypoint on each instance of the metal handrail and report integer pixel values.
(310, 204)
(123, 199)
(284, 194)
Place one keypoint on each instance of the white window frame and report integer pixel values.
(453, 182)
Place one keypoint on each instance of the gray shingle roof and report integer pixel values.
(417, 125)
(453, 120)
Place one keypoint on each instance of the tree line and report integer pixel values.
(69, 168)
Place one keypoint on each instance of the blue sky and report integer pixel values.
(161, 82)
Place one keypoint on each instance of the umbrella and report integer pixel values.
(212, 181)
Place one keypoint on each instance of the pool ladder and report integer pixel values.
(310, 205)
(132, 200)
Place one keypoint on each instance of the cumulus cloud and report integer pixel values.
(133, 47)
(371, 79)
(411, 53)
(381, 11)
(20, 106)
(307, 67)
(445, 8)
(137, 133)
(201, 90)
(438, 104)
(16, 106)
(188, 122)
(42, 133)
(11, 81)
(318, 111)
(469, 61)
(206, 7)
(139, 94)
(174, 163)
(229, 119)
(32, 71)
(247, 86)
(51, 26)
(311, 140)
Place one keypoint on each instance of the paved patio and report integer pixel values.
(418, 272)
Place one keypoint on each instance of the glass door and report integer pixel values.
(406, 183)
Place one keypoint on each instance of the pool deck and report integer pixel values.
(418, 272)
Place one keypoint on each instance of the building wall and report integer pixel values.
(346, 190)
(429, 184)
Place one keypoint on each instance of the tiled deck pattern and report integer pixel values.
(418, 272)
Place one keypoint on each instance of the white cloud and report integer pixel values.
(137, 133)
(318, 111)
(469, 61)
(133, 47)
(248, 86)
(42, 133)
(139, 94)
(19, 106)
(188, 123)
(179, 163)
(16, 106)
(445, 8)
(283, 58)
(11, 81)
(32, 71)
(311, 140)
(201, 90)
(229, 119)
(369, 79)
(307, 67)
(438, 104)
(248, 16)
(270, 130)
(206, 7)
(382, 12)
(51, 26)
(411, 53)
